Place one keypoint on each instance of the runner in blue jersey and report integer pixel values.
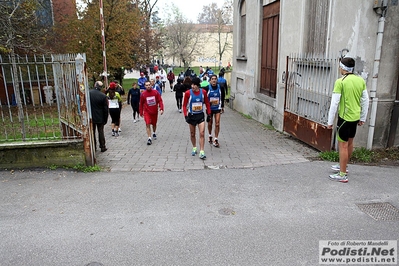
(195, 98)
(216, 97)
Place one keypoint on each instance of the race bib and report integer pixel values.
(113, 103)
(151, 101)
(214, 101)
(197, 107)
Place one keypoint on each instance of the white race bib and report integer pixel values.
(113, 103)
(151, 101)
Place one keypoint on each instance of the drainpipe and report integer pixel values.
(376, 67)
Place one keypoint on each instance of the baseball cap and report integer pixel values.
(112, 85)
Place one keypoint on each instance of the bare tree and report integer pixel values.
(221, 21)
(182, 37)
(150, 35)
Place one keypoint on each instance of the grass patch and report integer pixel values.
(246, 116)
(331, 156)
(38, 128)
(362, 155)
(269, 127)
(79, 167)
(87, 169)
(127, 84)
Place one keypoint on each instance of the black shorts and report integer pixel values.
(215, 112)
(346, 130)
(195, 119)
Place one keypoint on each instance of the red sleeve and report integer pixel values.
(185, 102)
(207, 104)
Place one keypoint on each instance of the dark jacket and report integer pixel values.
(179, 89)
(99, 107)
(133, 96)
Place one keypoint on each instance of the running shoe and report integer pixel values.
(113, 133)
(216, 143)
(337, 177)
(149, 142)
(210, 140)
(116, 134)
(202, 155)
(134, 121)
(154, 136)
(119, 130)
(336, 167)
(194, 151)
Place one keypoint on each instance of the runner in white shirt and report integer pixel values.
(162, 77)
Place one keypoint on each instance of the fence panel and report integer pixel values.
(38, 98)
(309, 85)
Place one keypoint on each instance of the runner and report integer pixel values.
(216, 98)
(133, 97)
(150, 100)
(195, 98)
(171, 78)
(141, 81)
(163, 79)
(179, 90)
(351, 100)
(115, 106)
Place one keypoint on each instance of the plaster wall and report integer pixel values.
(352, 26)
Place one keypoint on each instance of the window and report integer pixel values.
(243, 24)
(269, 57)
(317, 26)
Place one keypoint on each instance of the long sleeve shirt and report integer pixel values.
(149, 102)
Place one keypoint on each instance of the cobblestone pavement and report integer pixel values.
(244, 143)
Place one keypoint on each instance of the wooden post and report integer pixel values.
(82, 92)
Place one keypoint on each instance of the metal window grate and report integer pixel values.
(380, 211)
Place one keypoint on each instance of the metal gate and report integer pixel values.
(308, 88)
(43, 98)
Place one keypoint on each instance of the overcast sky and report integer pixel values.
(189, 8)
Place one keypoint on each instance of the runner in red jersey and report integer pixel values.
(150, 101)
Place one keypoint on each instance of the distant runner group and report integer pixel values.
(194, 96)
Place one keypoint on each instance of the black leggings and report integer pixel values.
(135, 107)
(179, 100)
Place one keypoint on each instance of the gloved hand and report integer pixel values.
(208, 118)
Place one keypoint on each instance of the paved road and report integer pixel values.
(273, 215)
(244, 143)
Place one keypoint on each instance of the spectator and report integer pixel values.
(99, 113)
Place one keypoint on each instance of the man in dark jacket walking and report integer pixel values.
(99, 113)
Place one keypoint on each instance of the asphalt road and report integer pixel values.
(273, 215)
